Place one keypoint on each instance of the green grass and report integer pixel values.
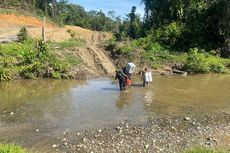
(66, 44)
(8, 148)
(72, 60)
(202, 150)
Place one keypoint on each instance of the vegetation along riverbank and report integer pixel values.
(31, 58)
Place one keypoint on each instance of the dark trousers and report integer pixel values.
(122, 85)
(145, 82)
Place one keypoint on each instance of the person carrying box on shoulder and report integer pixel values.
(146, 76)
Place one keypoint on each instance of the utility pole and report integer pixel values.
(43, 29)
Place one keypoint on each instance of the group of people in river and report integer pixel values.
(124, 76)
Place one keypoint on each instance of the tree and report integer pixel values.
(134, 23)
(225, 5)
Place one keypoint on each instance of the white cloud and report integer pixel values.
(140, 11)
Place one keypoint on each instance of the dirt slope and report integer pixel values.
(95, 59)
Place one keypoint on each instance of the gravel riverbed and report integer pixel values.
(162, 135)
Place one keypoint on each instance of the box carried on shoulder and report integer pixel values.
(130, 67)
(148, 77)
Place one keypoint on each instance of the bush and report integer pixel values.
(23, 34)
(4, 74)
(203, 62)
(56, 75)
(30, 60)
(196, 62)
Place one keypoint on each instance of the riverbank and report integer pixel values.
(168, 135)
(164, 60)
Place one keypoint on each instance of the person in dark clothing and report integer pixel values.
(121, 77)
(126, 73)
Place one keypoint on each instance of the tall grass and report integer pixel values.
(9, 148)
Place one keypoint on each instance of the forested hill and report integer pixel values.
(65, 13)
(203, 23)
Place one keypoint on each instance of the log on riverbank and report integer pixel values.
(9, 39)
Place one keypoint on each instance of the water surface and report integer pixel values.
(53, 106)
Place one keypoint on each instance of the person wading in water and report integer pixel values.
(121, 78)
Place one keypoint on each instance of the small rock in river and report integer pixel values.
(65, 144)
(118, 128)
(64, 139)
(54, 145)
(78, 134)
(37, 130)
(146, 146)
(187, 118)
(84, 139)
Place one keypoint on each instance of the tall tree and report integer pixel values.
(226, 27)
(134, 23)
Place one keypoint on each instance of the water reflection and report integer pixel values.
(125, 98)
(19, 92)
(148, 98)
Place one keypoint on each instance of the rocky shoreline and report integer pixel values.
(162, 135)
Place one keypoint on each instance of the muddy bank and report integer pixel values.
(166, 135)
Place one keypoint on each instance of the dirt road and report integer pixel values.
(95, 60)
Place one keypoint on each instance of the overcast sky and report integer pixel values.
(121, 7)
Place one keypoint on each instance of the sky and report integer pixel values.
(121, 7)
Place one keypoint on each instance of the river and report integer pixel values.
(35, 112)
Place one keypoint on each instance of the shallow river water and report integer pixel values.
(32, 112)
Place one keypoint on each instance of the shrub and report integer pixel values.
(56, 75)
(4, 74)
(29, 60)
(204, 62)
(23, 34)
(42, 46)
(196, 62)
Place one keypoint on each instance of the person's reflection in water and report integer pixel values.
(148, 95)
(125, 98)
